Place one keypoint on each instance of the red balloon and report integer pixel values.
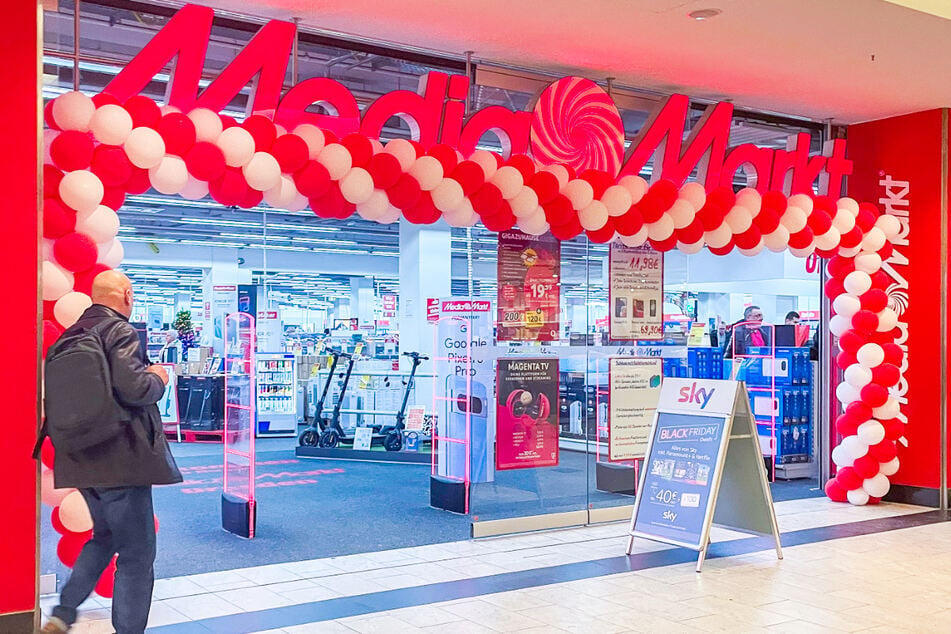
(691, 234)
(865, 321)
(664, 245)
(144, 111)
(766, 220)
(880, 280)
(886, 375)
(835, 492)
(851, 238)
(893, 354)
(819, 221)
(722, 198)
(710, 216)
(839, 266)
(47, 453)
(845, 426)
(866, 467)
(155, 518)
(424, 212)
(894, 428)
(874, 395)
(868, 214)
(558, 210)
(872, 500)
(75, 252)
(138, 182)
(775, 202)
(884, 451)
(57, 523)
(252, 198)
(886, 251)
(851, 341)
(859, 412)
(262, 130)
(111, 165)
(230, 188)
(205, 161)
(874, 300)
(525, 165)
(801, 239)
(598, 180)
(51, 180)
(446, 157)
(107, 581)
(469, 175)
(72, 150)
(848, 478)
(360, 148)
(227, 121)
(749, 239)
(103, 98)
(385, 170)
(312, 180)
(834, 288)
(825, 254)
(658, 199)
(486, 200)
(331, 204)
(420, 151)
(824, 204)
(69, 547)
(114, 197)
(603, 235)
(83, 281)
(502, 220)
(292, 153)
(58, 219)
(48, 312)
(722, 250)
(48, 116)
(844, 359)
(568, 230)
(630, 222)
(178, 132)
(405, 193)
(546, 186)
(51, 332)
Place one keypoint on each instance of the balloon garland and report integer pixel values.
(97, 151)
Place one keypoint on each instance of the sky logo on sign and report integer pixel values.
(693, 394)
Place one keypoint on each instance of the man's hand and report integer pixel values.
(160, 372)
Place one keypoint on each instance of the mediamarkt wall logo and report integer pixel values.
(574, 121)
(895, 202)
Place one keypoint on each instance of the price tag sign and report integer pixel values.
(636, 287)
(534, 319)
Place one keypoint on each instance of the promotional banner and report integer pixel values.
(526, 410)
(634, 386)
(270, 331)
(464, 380)
(635, 292)
(529, 273)
(224, 301)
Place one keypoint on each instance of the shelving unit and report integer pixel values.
(276, 394)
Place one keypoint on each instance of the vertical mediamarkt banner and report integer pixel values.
(635, 292)
(529, 275)
(527, 413)
(897, 164)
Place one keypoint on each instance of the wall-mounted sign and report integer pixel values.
(527, 413)
(635, 292)
(529, 280)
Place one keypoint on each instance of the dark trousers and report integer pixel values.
(122, 523)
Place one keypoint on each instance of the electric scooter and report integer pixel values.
(311, 435)
(393, 435)
(333, 434)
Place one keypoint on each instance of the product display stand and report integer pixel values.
(238, 504)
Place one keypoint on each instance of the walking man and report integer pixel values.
(114, 475)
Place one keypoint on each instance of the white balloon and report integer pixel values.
(778, 240)
(560, 172)
(828, 240)
(336, 158)
(170, 176)
(48, 137)
(802, 201)
(889, 225)
(579, 192)
(375, 207)
(279, 130)
(145, 147)
(357, 186)
(870, 355)
(750, 199)
(46, 250)
(857, 497)
(891, 409)
(73, 111)
(874, 240)
(887, 320)
(877, 486)
(283, 195)
(694, 193)
(484, 159)
(857, 283)
(754, 251)
(81, 190)
(636, 185)
(868, 262)
(57, 281)
(262, 172)
(849, 204)
(111, 253)
(854, 447)
(594, 216)
(111, 124)
(534, 224)
(846, 305)
(841, 458)
(299, 203)
(690, 249)
(839, 325)
(739, 219)
(74, 514)
(208, 125)
(314, 138)
(49, 494)
(858, 377)
(525, 203)
(392, 215)
(847, 393)
(637, 239)
(719, 237)
(889, 468)
(871, 432)
(509, 181)
(617, 200)
(237, 145)
(69, 307)
(169, 109)
(682, 213)
(462, 215)
(194, 189)
(428, 172)
(849, 252)
(662, 229)
(447, 195)
(404, 152)
(101, 224)
(803, 253)
(843, 221)
(794, 219)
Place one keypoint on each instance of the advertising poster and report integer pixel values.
(634, 392)
(527, 413)
(635, 292)
(529, 274)
(168, 406)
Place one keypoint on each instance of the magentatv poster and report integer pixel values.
(529, 277)
(527, 414)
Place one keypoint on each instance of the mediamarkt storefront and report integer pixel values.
(539, 178)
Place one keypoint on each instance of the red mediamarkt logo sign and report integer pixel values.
(573, 122)
(466, 307)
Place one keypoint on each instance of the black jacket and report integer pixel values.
(140, 456)
(743, 336)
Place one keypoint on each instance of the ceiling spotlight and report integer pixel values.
(704, 14)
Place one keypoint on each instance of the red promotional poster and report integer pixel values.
(529, 278)
(527, 414)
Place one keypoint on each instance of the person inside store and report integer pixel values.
(792, 318)
(170, 350)
(115, 476)
(745, 333)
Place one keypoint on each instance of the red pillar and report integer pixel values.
(19, 372)
(901, 163)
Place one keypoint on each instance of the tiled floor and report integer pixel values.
(896, 580)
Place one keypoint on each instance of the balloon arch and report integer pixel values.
(98, 150)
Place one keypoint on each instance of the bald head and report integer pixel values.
(113, 289)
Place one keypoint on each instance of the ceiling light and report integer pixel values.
(704, 14)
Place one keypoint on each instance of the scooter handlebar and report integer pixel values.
(416, 356)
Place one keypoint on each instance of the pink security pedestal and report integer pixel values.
(238, 505)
